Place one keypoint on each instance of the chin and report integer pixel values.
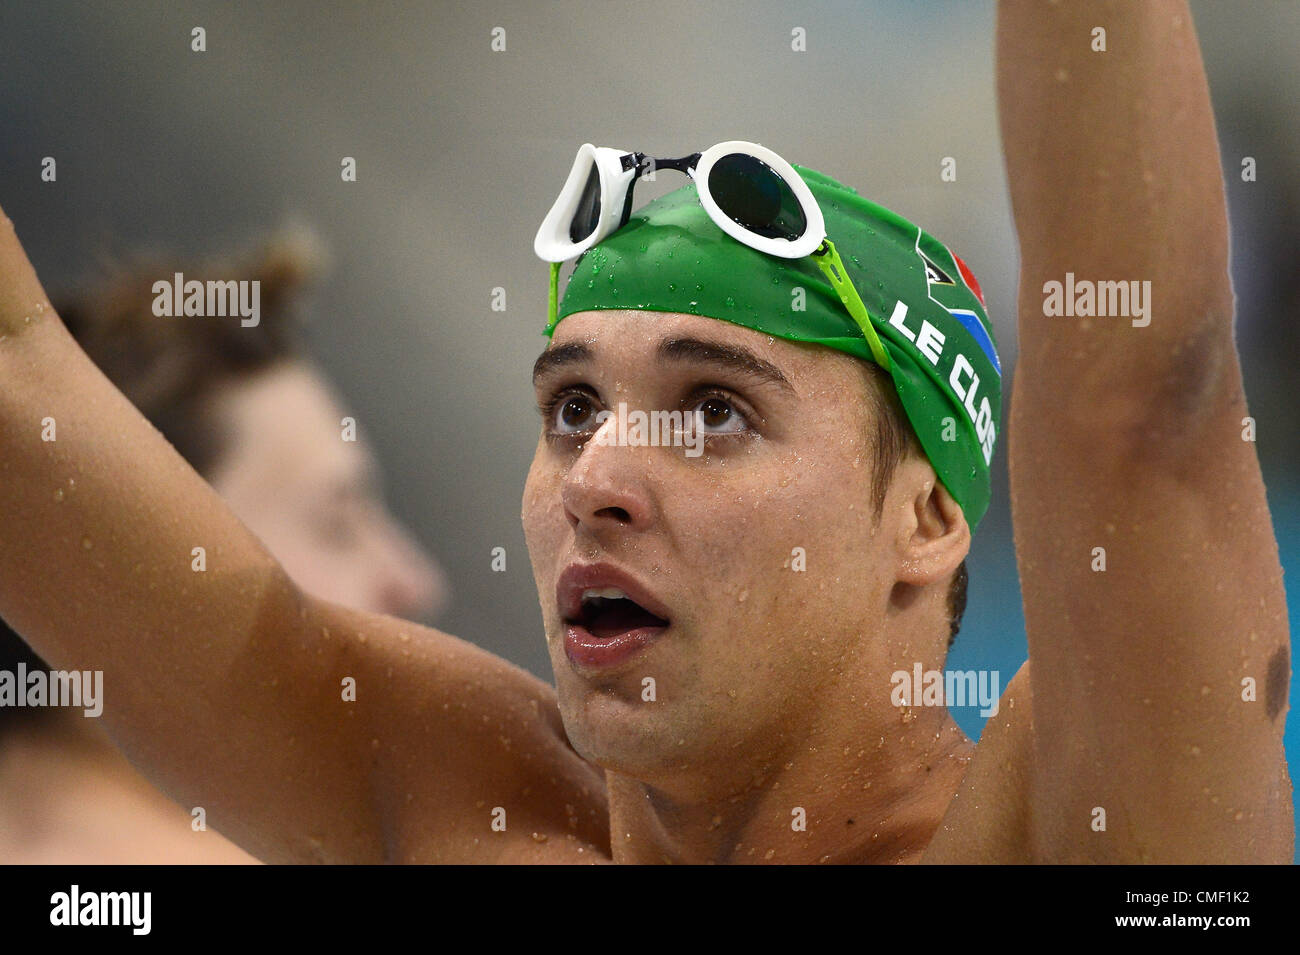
(615, 733)
(643, 741)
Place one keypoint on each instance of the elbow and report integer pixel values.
(1147, 392)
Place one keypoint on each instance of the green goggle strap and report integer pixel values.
(828, 259)
(552, 304)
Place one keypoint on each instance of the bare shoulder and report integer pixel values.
(468, 758)
(988, 819)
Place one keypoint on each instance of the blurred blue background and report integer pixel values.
(460, 151)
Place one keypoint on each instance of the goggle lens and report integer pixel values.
(755, 196)
(586, 216)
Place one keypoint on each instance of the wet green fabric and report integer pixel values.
(924, 303)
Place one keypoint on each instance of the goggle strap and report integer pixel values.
(828, 259)
(553, 299)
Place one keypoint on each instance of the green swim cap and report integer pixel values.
(924, 303)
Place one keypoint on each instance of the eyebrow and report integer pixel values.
(694, 350)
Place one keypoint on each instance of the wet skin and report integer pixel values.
(771, 684)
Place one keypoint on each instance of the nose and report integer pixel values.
(411, 582)
(606, 489)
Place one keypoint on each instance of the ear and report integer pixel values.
(933, 536)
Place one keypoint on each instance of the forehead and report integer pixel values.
(634, 338)
(286, 421)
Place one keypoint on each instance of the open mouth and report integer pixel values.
(607, 612)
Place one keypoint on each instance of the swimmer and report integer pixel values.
(256, 418)
(724, 627)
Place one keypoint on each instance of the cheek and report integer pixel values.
(790, 561)
(776, 528)
(542, 511)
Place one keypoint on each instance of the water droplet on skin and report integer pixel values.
(58, 493)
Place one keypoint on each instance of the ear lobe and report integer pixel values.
(936, 539)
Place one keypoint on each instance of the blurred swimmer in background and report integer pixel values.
(252, 413)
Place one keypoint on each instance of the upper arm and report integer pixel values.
(1153, 595)
(1157, 629)
(221, 680)
(464, 754)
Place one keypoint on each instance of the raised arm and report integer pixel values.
(1153, 593)
(226, 684)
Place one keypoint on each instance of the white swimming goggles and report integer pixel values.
(753, 195)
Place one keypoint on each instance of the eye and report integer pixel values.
(572, 413)
(717, 414)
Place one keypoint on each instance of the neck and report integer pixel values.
(852, 790)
